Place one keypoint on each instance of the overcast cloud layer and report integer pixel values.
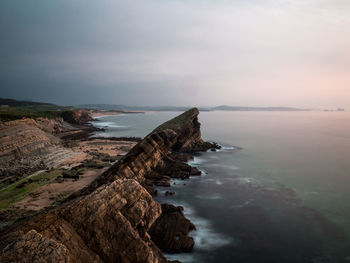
(177, 52)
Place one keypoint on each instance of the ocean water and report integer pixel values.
(278, 191)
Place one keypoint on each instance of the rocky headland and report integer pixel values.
(115, 218)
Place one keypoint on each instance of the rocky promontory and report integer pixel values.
(115, 218)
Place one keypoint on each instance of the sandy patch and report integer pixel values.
(96, 149)
(86, 150)
(104, 113)
(45, 196)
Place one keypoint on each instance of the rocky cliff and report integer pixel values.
(112, 220)
(76, 116)
(28, 145)
(158, 156)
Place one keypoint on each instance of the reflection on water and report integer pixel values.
(282, 198)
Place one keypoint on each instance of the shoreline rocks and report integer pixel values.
(170, 230)
(115, 218)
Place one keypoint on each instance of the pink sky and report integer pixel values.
(176, 52)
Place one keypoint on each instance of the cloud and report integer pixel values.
(176, 52)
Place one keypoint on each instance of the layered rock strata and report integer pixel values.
(29, 145)
(170, 231)
(112, 220)
(24, 143)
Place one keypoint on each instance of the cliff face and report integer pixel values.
(77, 116)
(25, 136)
(110, 220)
(109, 225)
(150, 157)
(28, 145)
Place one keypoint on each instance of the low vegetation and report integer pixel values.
(15, 113)
(22, 188)
(13, 110)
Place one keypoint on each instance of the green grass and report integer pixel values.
(22, 188)
(34, 112)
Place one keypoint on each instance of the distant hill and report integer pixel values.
(174, 108)
(243, 108)
(131, 108)
(22, 103)
(14, 109)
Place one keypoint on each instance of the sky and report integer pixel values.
(177, 52)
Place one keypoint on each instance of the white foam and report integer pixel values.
(243, 180)
(196, 161)
(226, 149)
(203, 172)
(210, 180)
(204, 236)
(183, 257)
(246, 180)
(108, 124)
(209, 197)
(229, 167)
(229, 148)
(244, 204)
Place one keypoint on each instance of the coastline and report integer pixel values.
(173, 211)
(151, 162)
(100, 114)
(161, 163)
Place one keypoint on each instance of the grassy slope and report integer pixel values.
(22, 188)
(13, 110)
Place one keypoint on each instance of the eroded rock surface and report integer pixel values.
(77, 116)
(170, 231)
(153, 158)
(111, 220)
(28, 145)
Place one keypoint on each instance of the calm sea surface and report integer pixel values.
(278, 191)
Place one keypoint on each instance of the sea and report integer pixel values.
(277, 191)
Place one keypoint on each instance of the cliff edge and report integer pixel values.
(111, 219)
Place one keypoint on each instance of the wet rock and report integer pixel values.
(169, 193)
(170, 231)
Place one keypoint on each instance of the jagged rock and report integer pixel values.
(170, 230)
(109, 225)
(153, 156)
(29, 145)
(77, 116)
(33, 247)
(111, 220)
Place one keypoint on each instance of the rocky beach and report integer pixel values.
(107, 214)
